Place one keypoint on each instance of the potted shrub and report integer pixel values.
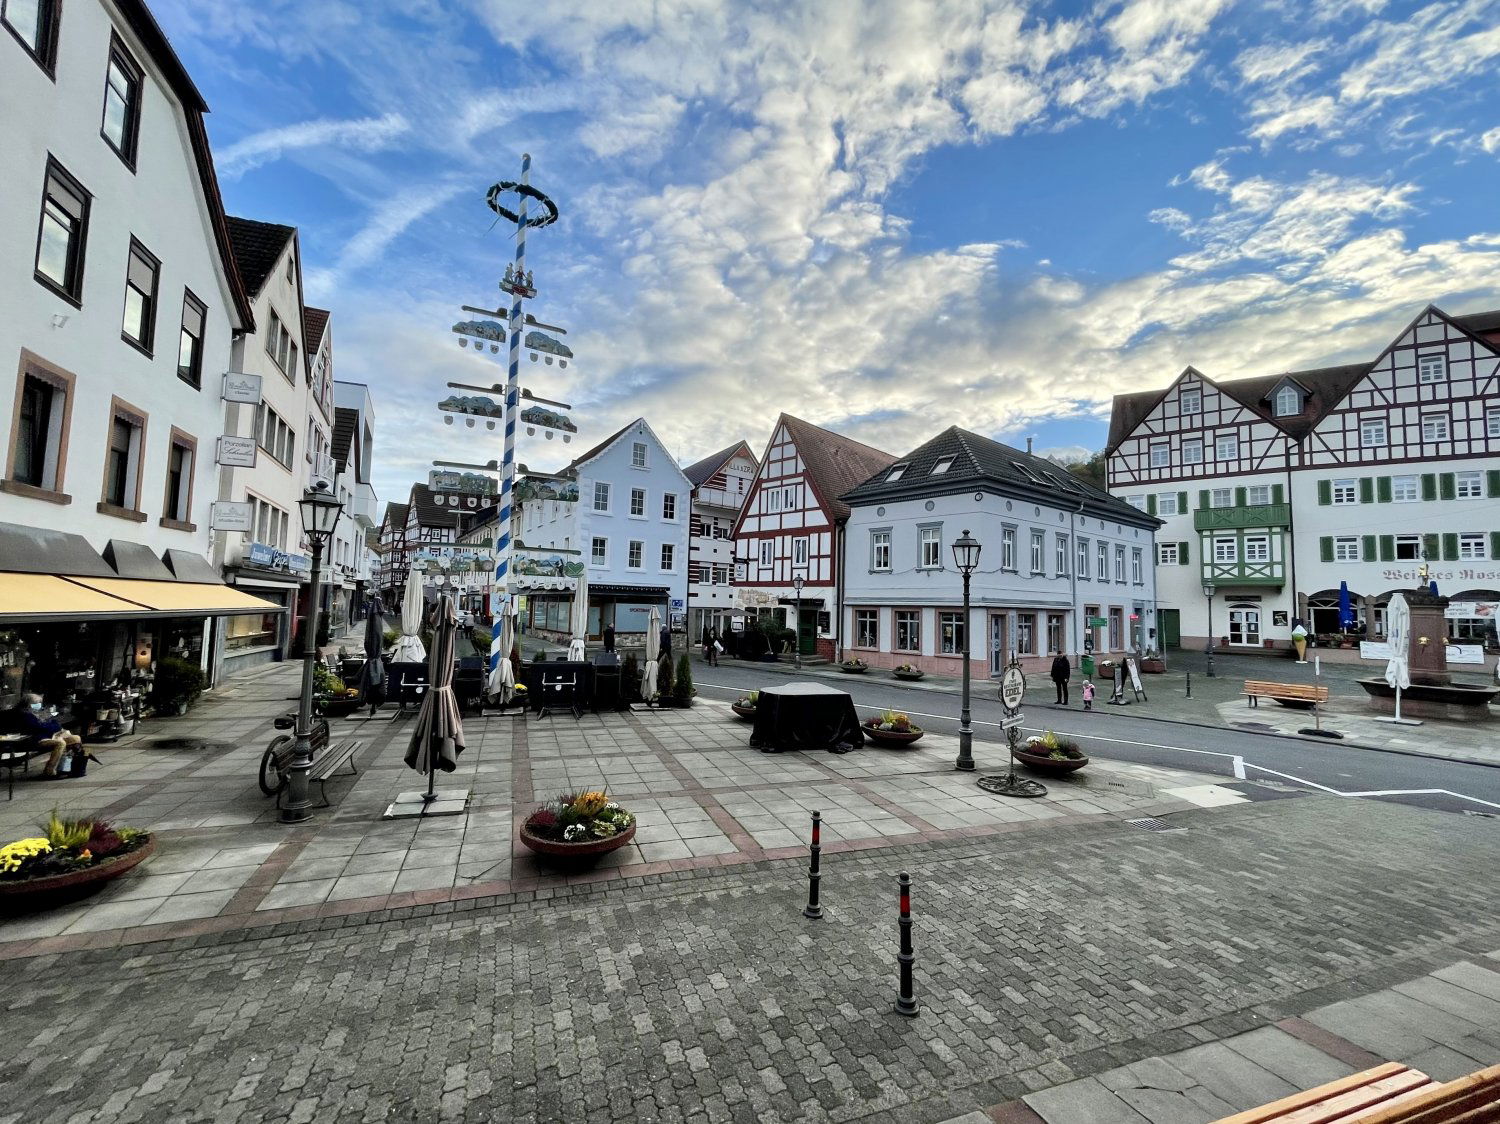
(178, 685)
(745, 705)
(339, 699)
(1153, 664)
(682, 683)
(907, 671)
(664, 681)
(891, 727)
(855, 666)
(69, 854)
(630, 678)
(1050, 753)
(578, 827)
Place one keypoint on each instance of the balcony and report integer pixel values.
(362, 506)
(720, 497)
(1236, 518)
(1234, 575)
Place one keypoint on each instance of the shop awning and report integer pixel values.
(183, 599)
(38, 598)
(44, 597)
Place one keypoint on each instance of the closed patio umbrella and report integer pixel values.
(372, 675)
(438, 738)
(1398, 636)
(653, 654)
(576, 649)
(502, 680)
(1346, 610)
(409, 648)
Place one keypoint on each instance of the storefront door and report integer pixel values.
(807, 631)
(1170, 623)
(1244, 627)
(997, 644)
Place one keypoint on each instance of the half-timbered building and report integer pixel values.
(1279, 491)
(720, 483)
(789, 525)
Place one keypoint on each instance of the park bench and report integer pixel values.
(1387, 1094)
(16, 751)
(1287, 694)
(328, 756)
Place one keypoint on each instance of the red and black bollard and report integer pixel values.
(906, 1001)
(814, 910)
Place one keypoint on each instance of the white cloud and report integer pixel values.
(365, 134)
(1490, 141)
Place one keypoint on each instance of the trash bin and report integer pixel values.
(1086, 665)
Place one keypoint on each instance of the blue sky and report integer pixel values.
(884, 217)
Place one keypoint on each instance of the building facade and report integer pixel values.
(720, 484)
(789, 528)
(1282, 491)
(1064, 569)
(350, 577)
(394, 564)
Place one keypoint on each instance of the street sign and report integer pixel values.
(1012, 688)
(1097, 622)
(1011, 721)
(231, 515)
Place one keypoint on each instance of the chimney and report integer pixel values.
(1028, 446)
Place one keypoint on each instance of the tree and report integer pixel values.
(682, 684)
(1090, 471)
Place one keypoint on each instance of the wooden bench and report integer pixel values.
(16, 751)
(1287, 694)
(328, 758)
(1387, 1094)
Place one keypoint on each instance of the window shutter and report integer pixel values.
(1278, 496)
(1366, 490)
(1429, 486)
(1151, 504)
(1495, 545)
(1430, 547)
(1182, 507)
(1239, 497)
(1182, 554)
(1325, 548)
(1383, 488)
(1447, 487)
(1368, 553)
(1450, 548)
(1494, 482)
(1202, 499)
(1387, 548)
(1325, 492)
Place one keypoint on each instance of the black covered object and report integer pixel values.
(607, 693)
(558, 685)
(805, 716)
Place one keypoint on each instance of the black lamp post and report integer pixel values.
(966, 558)
(1208, 594)
(797, 644)
(320, 514)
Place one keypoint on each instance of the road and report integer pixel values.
(1112, 733)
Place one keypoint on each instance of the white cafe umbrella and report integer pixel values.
(653, 654)
(502, 681)
(1398, 636)
(409, 647)
(576, 648)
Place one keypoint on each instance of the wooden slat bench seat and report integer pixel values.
(1387, 1094)
(1295, 694)
(330, 761)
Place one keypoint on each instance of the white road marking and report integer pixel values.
(1372, 793)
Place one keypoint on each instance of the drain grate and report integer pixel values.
(1151, 823)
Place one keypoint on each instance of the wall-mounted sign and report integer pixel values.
(231, 515)
(1466, 653)
(1096, 622)
(236, 452)
(240, 387)
(271, 558)
(1472, 610)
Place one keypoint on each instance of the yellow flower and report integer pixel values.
(589, 803)
(14, 854)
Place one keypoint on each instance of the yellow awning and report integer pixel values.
(187, 599)
(45, 597)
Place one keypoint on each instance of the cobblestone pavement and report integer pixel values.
(703, 995)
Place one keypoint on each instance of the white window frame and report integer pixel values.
(1258, 548)
(1120, 565)
(1373, 433)
(1287, 403)
(1226, 550)
(1227, 447)
(1469, 484)
(767, 552)
(942, 466)
(1192, 451)
(1431, 368)
(867, 628)
(1471, 546)
(1161, 454)
(1344, 491)
(1137, 567)
(1038, 552)
(606, 495)
(1406, 488)
(1083, 558)
(595, 543)
(880, 552)
(1191, 394)
(635, 555)
(1437, 427)
(1060, 556)
(1166, 554)
(929, 548)
(668, 557)
(1346, 548)
(669, 500)
(1412, 541)
(1258, 495)
(1101, 555)
(1492, 421)
(638, 503)
(1008, 549)
(1166, 503)
(911, 620)
(1221, 497)
(640, 454)
(799, 551)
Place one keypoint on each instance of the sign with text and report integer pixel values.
(231, 515)
(1012, 688)
(1472, 610)
(240, 387)
(272, 558)
(236, 452)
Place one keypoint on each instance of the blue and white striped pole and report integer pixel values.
(502, 599)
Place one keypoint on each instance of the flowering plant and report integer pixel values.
(750, 700)
(66, 845)
(894, 721)
(906, 668)
(855, 662)
(1049, 744)
(579, 818)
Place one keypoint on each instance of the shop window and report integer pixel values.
(251, 630)
(1054, 633)
(867, 628)
(908, 630)
(952, 634)
(1025, 634)
(62, 234)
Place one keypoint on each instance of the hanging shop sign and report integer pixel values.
(235, 452)
(1472, 610)
(231, 515)
(240, 387)
(270, 558)
(465, 483)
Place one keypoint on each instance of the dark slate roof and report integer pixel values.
(430, 512)
(699, 471)
(345, 424)
(834, 463)
(979, 460)
(257, 245)
(396, 514)
(314, 321)
(1483, 324)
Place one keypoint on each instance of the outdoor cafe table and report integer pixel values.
(805, 716)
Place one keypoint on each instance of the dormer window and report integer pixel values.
(942, 466)
(1190, 401)
(896, 473)
(1288, 403)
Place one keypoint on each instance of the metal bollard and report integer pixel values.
(814, 910)
(906, 1002)
(1189, 675)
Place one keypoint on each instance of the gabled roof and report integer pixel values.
(597, 450)
(314, 321)
(699, 471)
(1486, 325)
(430, 511)
(256, 247)
(980, 460)
(345, 425)
(834, 463)
(396, 514)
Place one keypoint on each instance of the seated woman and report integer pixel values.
(47, 730)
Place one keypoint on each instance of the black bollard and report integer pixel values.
(814, 910)
(906, 1002)
(1189, 684)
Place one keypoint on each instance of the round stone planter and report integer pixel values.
(892, 737)
(577, 853)
(96, 874)
(1042, 763)
(854, 669)
(909, 676)
(745, 712)
(341, 706)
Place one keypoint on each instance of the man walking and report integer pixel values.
(1062, 671)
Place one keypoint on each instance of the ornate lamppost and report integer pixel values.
(797, 644)
(1208, 595)
(966, 558)
(320, 514)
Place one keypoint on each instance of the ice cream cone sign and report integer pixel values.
(1299, 641)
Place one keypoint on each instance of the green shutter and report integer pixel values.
(1495, 545)
(1239, 497)
(1151, 503)
(1325, 492)
(1430, 546)
(1383, 488)
(1202, 499)
(1387, 548)
(1325, 548)
(1368, 553)
(1447, 486)
(1494, 483)
(1278, 496)
(1429, 486)
(1450, 548)
(1182, 554)
(1182, 507)
(1366, 490)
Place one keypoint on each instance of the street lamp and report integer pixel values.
(797, 644)
(320, 514)
(966, 558)
(1208, 594)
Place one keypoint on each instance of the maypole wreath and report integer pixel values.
(546, 218)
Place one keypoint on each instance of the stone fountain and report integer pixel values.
(1432, 693)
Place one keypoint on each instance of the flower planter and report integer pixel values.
(854, 668)
(591, 850)
(341, 706)
(745, 712)
(1043, 763)
(909, 676)
(93, 874)
(891, 737)
(1153, 667)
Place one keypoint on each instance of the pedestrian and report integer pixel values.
(665, 637)
(714, 647)
(708, 641)
(1062, 671)
(609, 638)
(1088, 694)
(42, 724)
